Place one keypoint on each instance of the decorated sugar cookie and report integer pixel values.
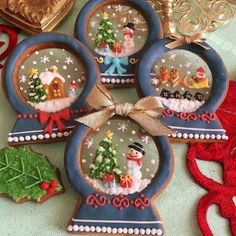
(190, 80)
(117, 33)
(116, 168)
(27, 176)
(46, 81)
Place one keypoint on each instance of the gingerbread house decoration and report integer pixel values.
(53, 83)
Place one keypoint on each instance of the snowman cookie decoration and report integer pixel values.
(128, 44)
(134, 162)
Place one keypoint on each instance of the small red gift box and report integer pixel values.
(126, 181)
(117, 47)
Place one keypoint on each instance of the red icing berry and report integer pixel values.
(44, 185)
(53, 183)
(50, 190)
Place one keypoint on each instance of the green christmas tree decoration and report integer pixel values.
(36, 91)
(106, 33)
(105, 161)
(27, 176)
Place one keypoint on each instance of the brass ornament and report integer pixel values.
(190, 17)
(35, 16)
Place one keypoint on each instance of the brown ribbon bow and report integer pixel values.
(180, 40)
(144, 112)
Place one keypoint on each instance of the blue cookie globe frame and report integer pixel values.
(205, 125)
(130, 62)
(27, 128)
(107, 218)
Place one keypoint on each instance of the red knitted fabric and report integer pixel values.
(225, 154)
(12, 35)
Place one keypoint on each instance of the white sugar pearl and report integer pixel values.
(179, 135)
(21, 138)
(202, 136)
(81, 228)
(104, 229)
(125, 230)
(190, 135)
(148, 231)
(218, 136)
(40, 137)
(120, 230)
(153, 231)
(136, 231)
(47, 136)
(86, 228)
(130, 231)
(98, 229)
(196, 136)
(159, 232)
(10, 139)
(207, 136)
(142, 231)
(76, 227)
(92, 229)
(34, 137)
(185, 135)
(213, 136)
(70, 228)
(114, 230)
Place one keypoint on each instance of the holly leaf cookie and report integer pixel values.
(27, 176)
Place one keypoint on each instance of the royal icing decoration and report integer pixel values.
(190, 80)
(49, 88)
(117, 34)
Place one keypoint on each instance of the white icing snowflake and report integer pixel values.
(88, 143)
(69, 60)
(136, 20)
(155, 81)
(122, 127)
(22, 79)
(145, 139)
(173, 56)
(93, 24)
(44, 59)
(119, 8)
(187, 65)
(163, 60)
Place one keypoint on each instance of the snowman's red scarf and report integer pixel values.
(138, 160)
(225, 154)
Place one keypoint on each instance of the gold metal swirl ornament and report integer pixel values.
(99, 59)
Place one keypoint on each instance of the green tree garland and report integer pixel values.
(105, 161)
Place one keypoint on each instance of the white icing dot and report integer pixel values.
(76, 228)
(213, 136)
(27, 138)
(109, 230)
(10, 139)
(70, 228)
(133, 132)
(154, 231)
(57, 61)
(120, 231)
(128, 81)
(36, 52)
(218, 136)
(15, 139)
(123, 81)
(136, 231)
(22, 67)
(159, 232)
(121, 140)
(114, 230)
(185, 135)
(125, 230)
(47, 136)
(51, 53)
(142, 231)
(64, 67)
(108, 80)
(92, 229)
(81, 228)
(34, 137)
(179, 135)
(153, 161)
(66, 134)
(40, 137)
(202, 136)
(132, 81)
(98, 229)
(34, 62)
(86, 228)
(196, 136)
(54, 135)
(130, 231)
(104, 80)
(59, 135)
(148, 231)
(147, 169)
(21, 138)
(83, 161)
(113, 81)
(207, 136)
(174, 135)
(117, 81)
(191, 135)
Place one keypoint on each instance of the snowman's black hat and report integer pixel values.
(130, 25)
(138, 147)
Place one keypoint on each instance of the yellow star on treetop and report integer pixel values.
(109, 134)
(105, 15)
(32, 72)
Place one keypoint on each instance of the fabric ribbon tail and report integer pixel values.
(152, 125)
(121, 70)
(110, 70)
(96, 119)
(49, 127)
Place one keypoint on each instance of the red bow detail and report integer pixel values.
(54, 117)
(107, 178)
(129, 33)
(139, 161)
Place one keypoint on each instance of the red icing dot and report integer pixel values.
(53, 183)
(30, 116)
(108, 201)
(44, 185)
(142, 207)
(142, 195)
(96, 195)
(35, 116)
(50, 190)
(95, 206)
(19, 116)
(121, 208)
(24, 116)
(132, 202)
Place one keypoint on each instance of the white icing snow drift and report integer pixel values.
(48, 76)
(181, 105)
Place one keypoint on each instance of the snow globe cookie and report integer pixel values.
(117, 169)
(117, 33)
(191, 81)
(46, 81)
